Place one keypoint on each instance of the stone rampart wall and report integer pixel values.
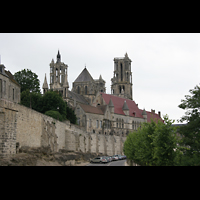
(24, 127)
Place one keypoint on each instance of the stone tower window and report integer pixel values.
(121, 72)
(85, 89)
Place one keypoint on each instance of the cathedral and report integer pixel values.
(96, 111)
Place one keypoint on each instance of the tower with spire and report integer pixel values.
(45, 85)
(58, 77)
(122, 78)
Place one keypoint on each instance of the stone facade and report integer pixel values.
(9, 88)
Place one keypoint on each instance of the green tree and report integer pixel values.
(153, 144)
(190, 142)
(33, 99)
(53, 101)
(165, 143)
(28, 80)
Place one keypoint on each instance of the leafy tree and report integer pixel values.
(153, 144)
(53, 101)
(34, 99)
(190, 142)
(28, 80)
(165, 143)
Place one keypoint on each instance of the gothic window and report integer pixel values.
(78, 90)
(121, 72)
(0, 88)
(120, 89)
(85, 89)
(100, 124)
(117, 122)
(51, 70)
(51, 79)
(56, 72)
(122, 123)
(127, 76)
(13, 94)
(97, 123)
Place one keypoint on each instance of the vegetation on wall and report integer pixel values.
(51, 103)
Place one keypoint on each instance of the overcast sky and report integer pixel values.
(165, 66)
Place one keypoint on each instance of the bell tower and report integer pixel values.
(122, 78)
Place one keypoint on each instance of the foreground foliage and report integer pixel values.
(154, 144)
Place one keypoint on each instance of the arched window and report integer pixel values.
(121, 72)
(78, 90)
(122, 123)
(85, 89)
(117, 122)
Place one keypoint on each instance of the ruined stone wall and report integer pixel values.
(23, 127)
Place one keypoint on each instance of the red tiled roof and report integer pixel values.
(118, 103)
(134, 111)
(92, 109)
(154, 116)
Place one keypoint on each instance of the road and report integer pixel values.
(113, 163)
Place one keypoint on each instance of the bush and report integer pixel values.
(54, 114)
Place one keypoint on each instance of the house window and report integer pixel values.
(13, 94)
(100, 124)
(85, 89)
(97, 123)
(117, 122)
(4, 87)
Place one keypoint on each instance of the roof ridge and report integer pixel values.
(84, 76)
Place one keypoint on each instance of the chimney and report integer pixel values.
(153, 111)
(159, 113)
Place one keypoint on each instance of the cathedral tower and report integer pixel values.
(122, 78)
(58, 76)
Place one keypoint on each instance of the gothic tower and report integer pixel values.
(122, 78)
(58, 76)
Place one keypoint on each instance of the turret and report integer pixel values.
(65, 86)
(111, 106)
(58, 57)
(45, 85)
(144, 114)
(125, 108)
